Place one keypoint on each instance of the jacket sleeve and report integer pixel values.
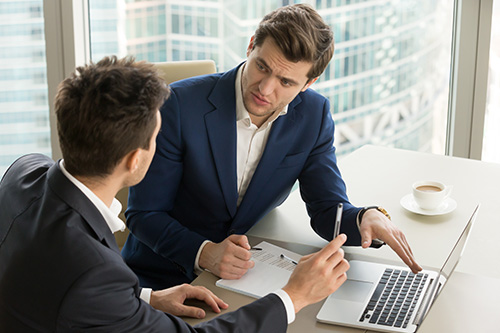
(322, 187)
(104, 299)
(152, 200)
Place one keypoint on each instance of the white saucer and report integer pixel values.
(446, 207)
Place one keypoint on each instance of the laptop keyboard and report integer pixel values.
(394, 299)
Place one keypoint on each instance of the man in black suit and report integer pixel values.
(60, 268)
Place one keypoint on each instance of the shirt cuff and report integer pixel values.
(146, 294)
(287, 302)
(197, 269)
(358, 222)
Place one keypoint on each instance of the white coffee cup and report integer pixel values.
(429, 194)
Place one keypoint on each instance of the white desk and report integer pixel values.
(382, 176)
(376, 175)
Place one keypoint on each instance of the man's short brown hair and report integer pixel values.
(301, 34)
(105, 111)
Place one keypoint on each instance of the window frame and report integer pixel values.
(68, 45)
(469, 77)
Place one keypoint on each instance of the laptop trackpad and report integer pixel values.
(353, 290)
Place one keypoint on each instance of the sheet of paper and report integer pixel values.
(270, 273)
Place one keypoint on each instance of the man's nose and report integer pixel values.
(267, 86)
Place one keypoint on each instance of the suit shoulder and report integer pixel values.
(28, 164)
(311, 103)
(199, 83)
(311, 95)
(23, 184)
(191, 94)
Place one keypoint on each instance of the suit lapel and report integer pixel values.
(221, 128)
(69, 193)
(278, 145)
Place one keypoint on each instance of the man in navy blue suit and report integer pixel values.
(60, 267)
(231, 148)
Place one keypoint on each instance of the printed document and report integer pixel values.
(273, 267)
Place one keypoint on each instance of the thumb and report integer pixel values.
(366, 239)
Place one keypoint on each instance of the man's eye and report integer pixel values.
(285, 82)
(260, 67)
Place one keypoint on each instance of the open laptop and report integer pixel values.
(388, 298)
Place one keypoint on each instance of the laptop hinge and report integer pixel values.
(429, 297)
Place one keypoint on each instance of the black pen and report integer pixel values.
(282, 256)
(338, 219)
(255, 249)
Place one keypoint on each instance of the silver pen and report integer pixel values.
(282, 256)
(338, 219)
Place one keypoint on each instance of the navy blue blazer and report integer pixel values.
(189, 194)
(61, 270)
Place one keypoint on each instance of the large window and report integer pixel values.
(387, 83)
(24, 108)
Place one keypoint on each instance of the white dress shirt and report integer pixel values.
(110, 215)
(250, 139)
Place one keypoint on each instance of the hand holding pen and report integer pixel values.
(336, 231)
(229, 259)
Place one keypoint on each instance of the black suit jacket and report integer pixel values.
(60, 268)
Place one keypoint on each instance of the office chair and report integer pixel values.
(170, 71)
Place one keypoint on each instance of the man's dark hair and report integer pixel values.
(300, 33)
(105, 111)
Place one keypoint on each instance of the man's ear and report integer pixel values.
(132, 160)
(250, 46)
(308, 84)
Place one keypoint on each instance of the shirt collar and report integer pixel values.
(110, 214)
(241, 112)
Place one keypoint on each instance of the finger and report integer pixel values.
(190, 311)
(415, 267)
(402, 249)
(203, 294)
(404, 244)
(244, 264)
(243, 242)
(336, 257)
(232, 272)
(341, 270)
(240, 253)
(240, 240)
(238, 257)
(331, 247)
(342, 278)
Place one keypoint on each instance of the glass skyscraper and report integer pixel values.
(388, 80)
(387, 83)
(24, 109)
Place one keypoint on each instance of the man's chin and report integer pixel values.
(260, 113)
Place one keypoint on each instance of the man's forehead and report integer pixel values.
(272, 57)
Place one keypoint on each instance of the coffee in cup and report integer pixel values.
(430, 194)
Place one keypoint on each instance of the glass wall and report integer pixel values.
(491, 141)
(388, 80)
(24, 109)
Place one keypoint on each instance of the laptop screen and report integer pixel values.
(448, 266)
